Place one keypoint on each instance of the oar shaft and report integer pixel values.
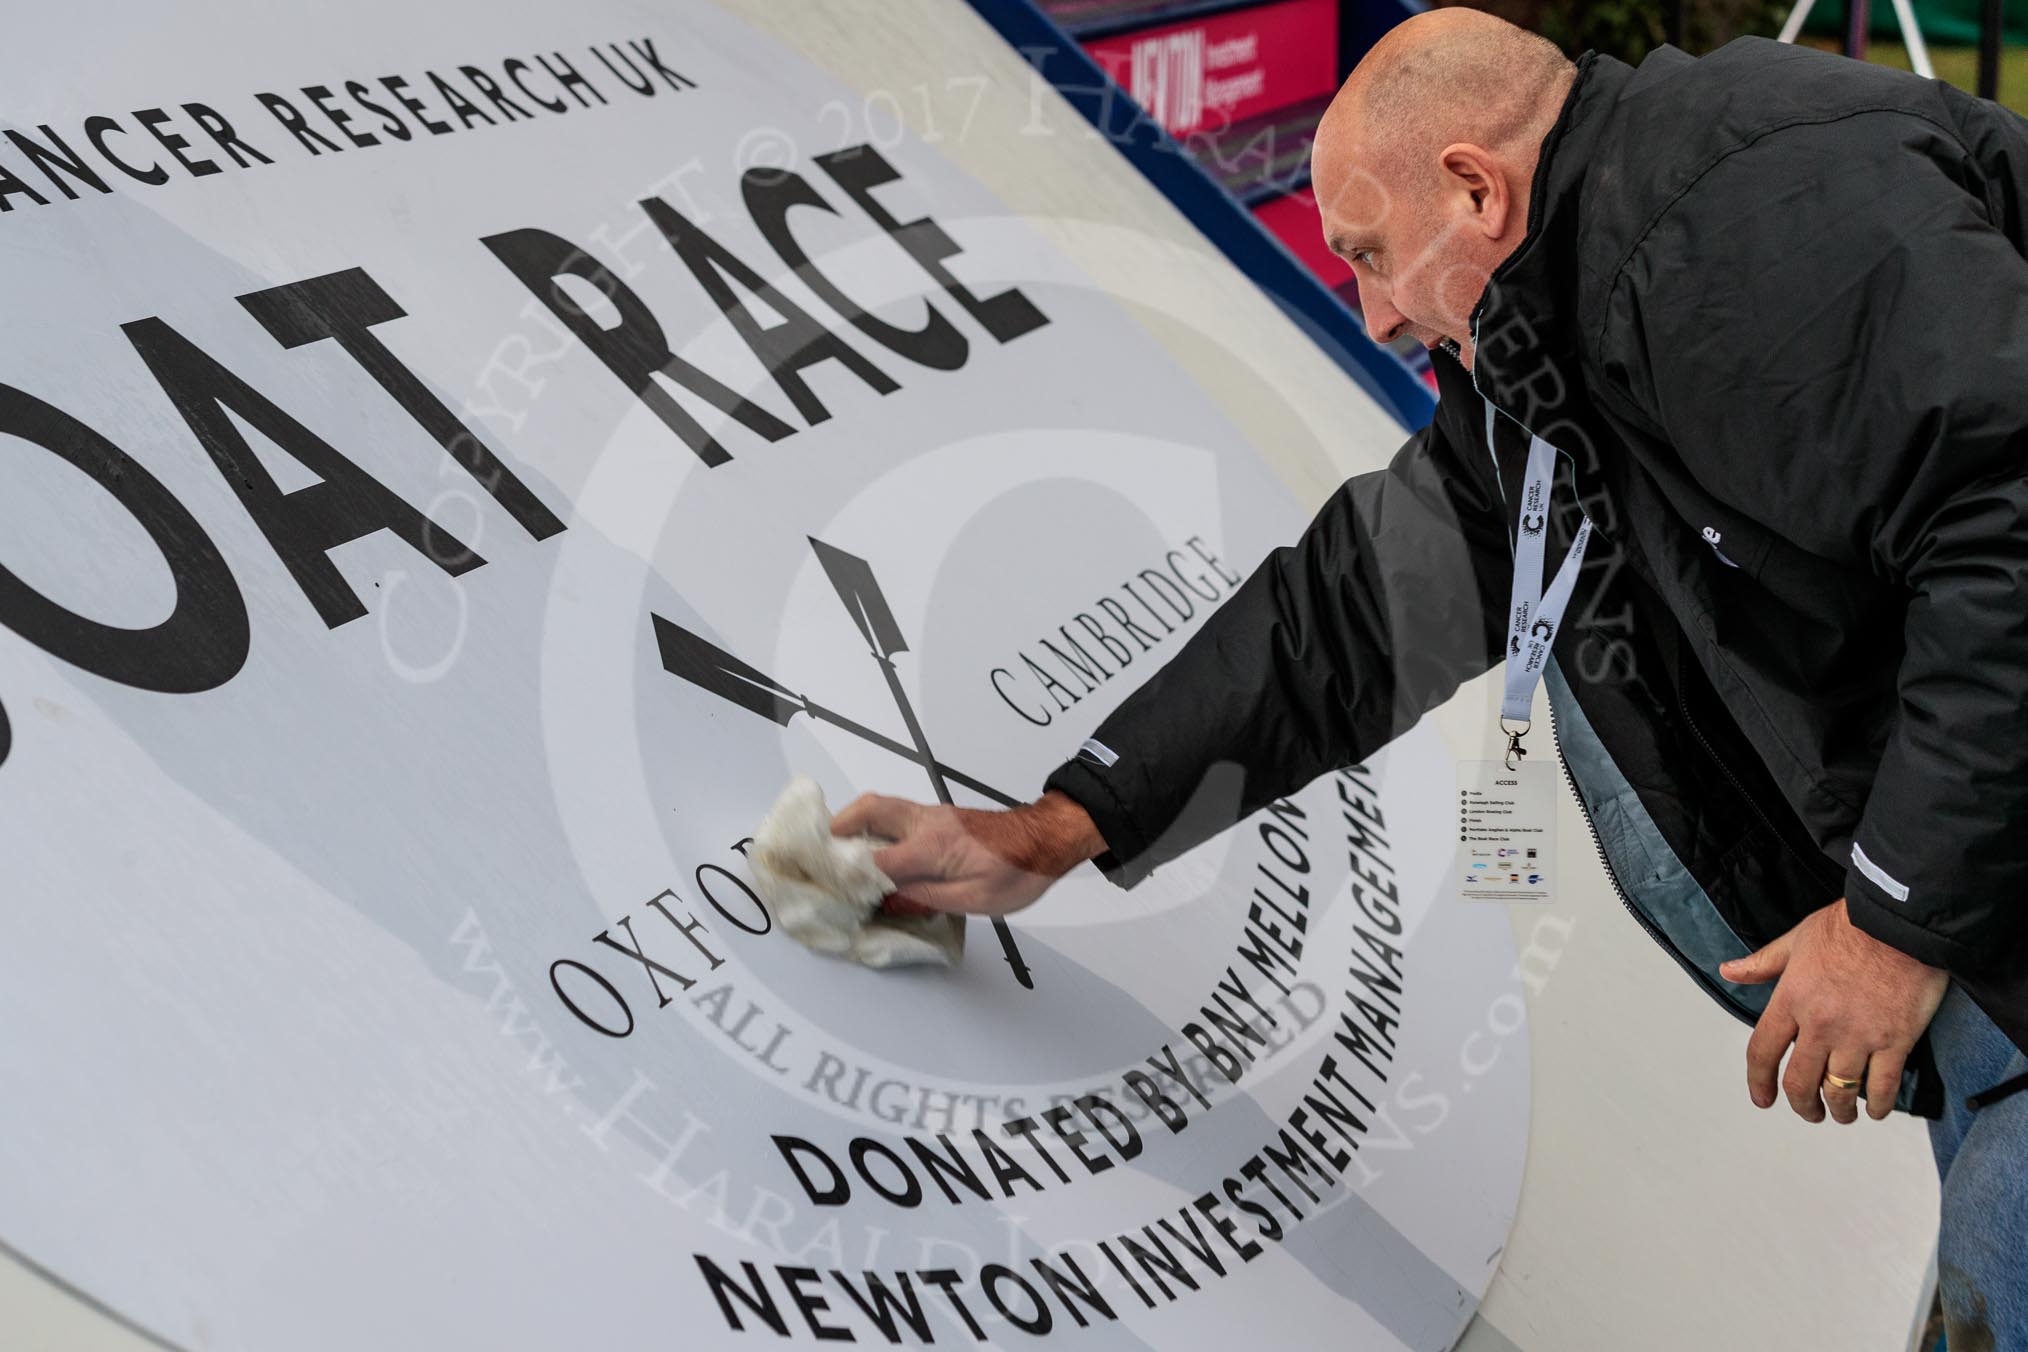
(928, 761)
(1013, 952)
(886, 743)
(923, 753)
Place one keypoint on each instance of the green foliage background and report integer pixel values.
(1630, 29)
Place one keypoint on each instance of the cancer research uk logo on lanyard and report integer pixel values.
(1507, 807)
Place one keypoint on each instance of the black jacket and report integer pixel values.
(1772, 306)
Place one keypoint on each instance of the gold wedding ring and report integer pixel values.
(1840, 1082)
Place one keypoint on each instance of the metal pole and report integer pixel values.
(1796, 18)
(1856, 17)
(1990, 33)
(1911, 35)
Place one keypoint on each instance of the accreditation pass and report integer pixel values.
(1506, 831)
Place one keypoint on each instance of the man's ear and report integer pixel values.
(1480, 183)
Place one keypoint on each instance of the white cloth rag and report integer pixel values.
(825, 891)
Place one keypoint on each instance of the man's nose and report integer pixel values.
(1384, 323)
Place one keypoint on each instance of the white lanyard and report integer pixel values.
(1534, 615)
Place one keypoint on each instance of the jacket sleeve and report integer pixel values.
(1331, 647)
(1850, 366)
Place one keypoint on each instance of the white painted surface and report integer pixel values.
(1660, 1210)
(317, 1081)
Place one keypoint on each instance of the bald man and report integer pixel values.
(1740, 345)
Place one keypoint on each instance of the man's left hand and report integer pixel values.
(1852, 1006)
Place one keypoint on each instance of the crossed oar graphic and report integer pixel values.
(710, 667)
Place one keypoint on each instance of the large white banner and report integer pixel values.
(424, 430)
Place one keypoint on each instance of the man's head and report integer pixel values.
(1423, 163)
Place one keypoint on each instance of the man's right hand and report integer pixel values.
(964, 859)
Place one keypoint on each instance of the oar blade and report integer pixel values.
(704, 664)
(853, 578)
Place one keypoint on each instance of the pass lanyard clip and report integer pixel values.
(1534, 615)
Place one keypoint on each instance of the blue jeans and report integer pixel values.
(1982, 1156)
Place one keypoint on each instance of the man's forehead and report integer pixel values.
(1350, 195)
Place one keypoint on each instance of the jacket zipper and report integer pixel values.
(1703, 978)
(1654, 932)
(1597, 845)
(1556, 738)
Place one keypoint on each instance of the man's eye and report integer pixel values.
(1364, 256)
